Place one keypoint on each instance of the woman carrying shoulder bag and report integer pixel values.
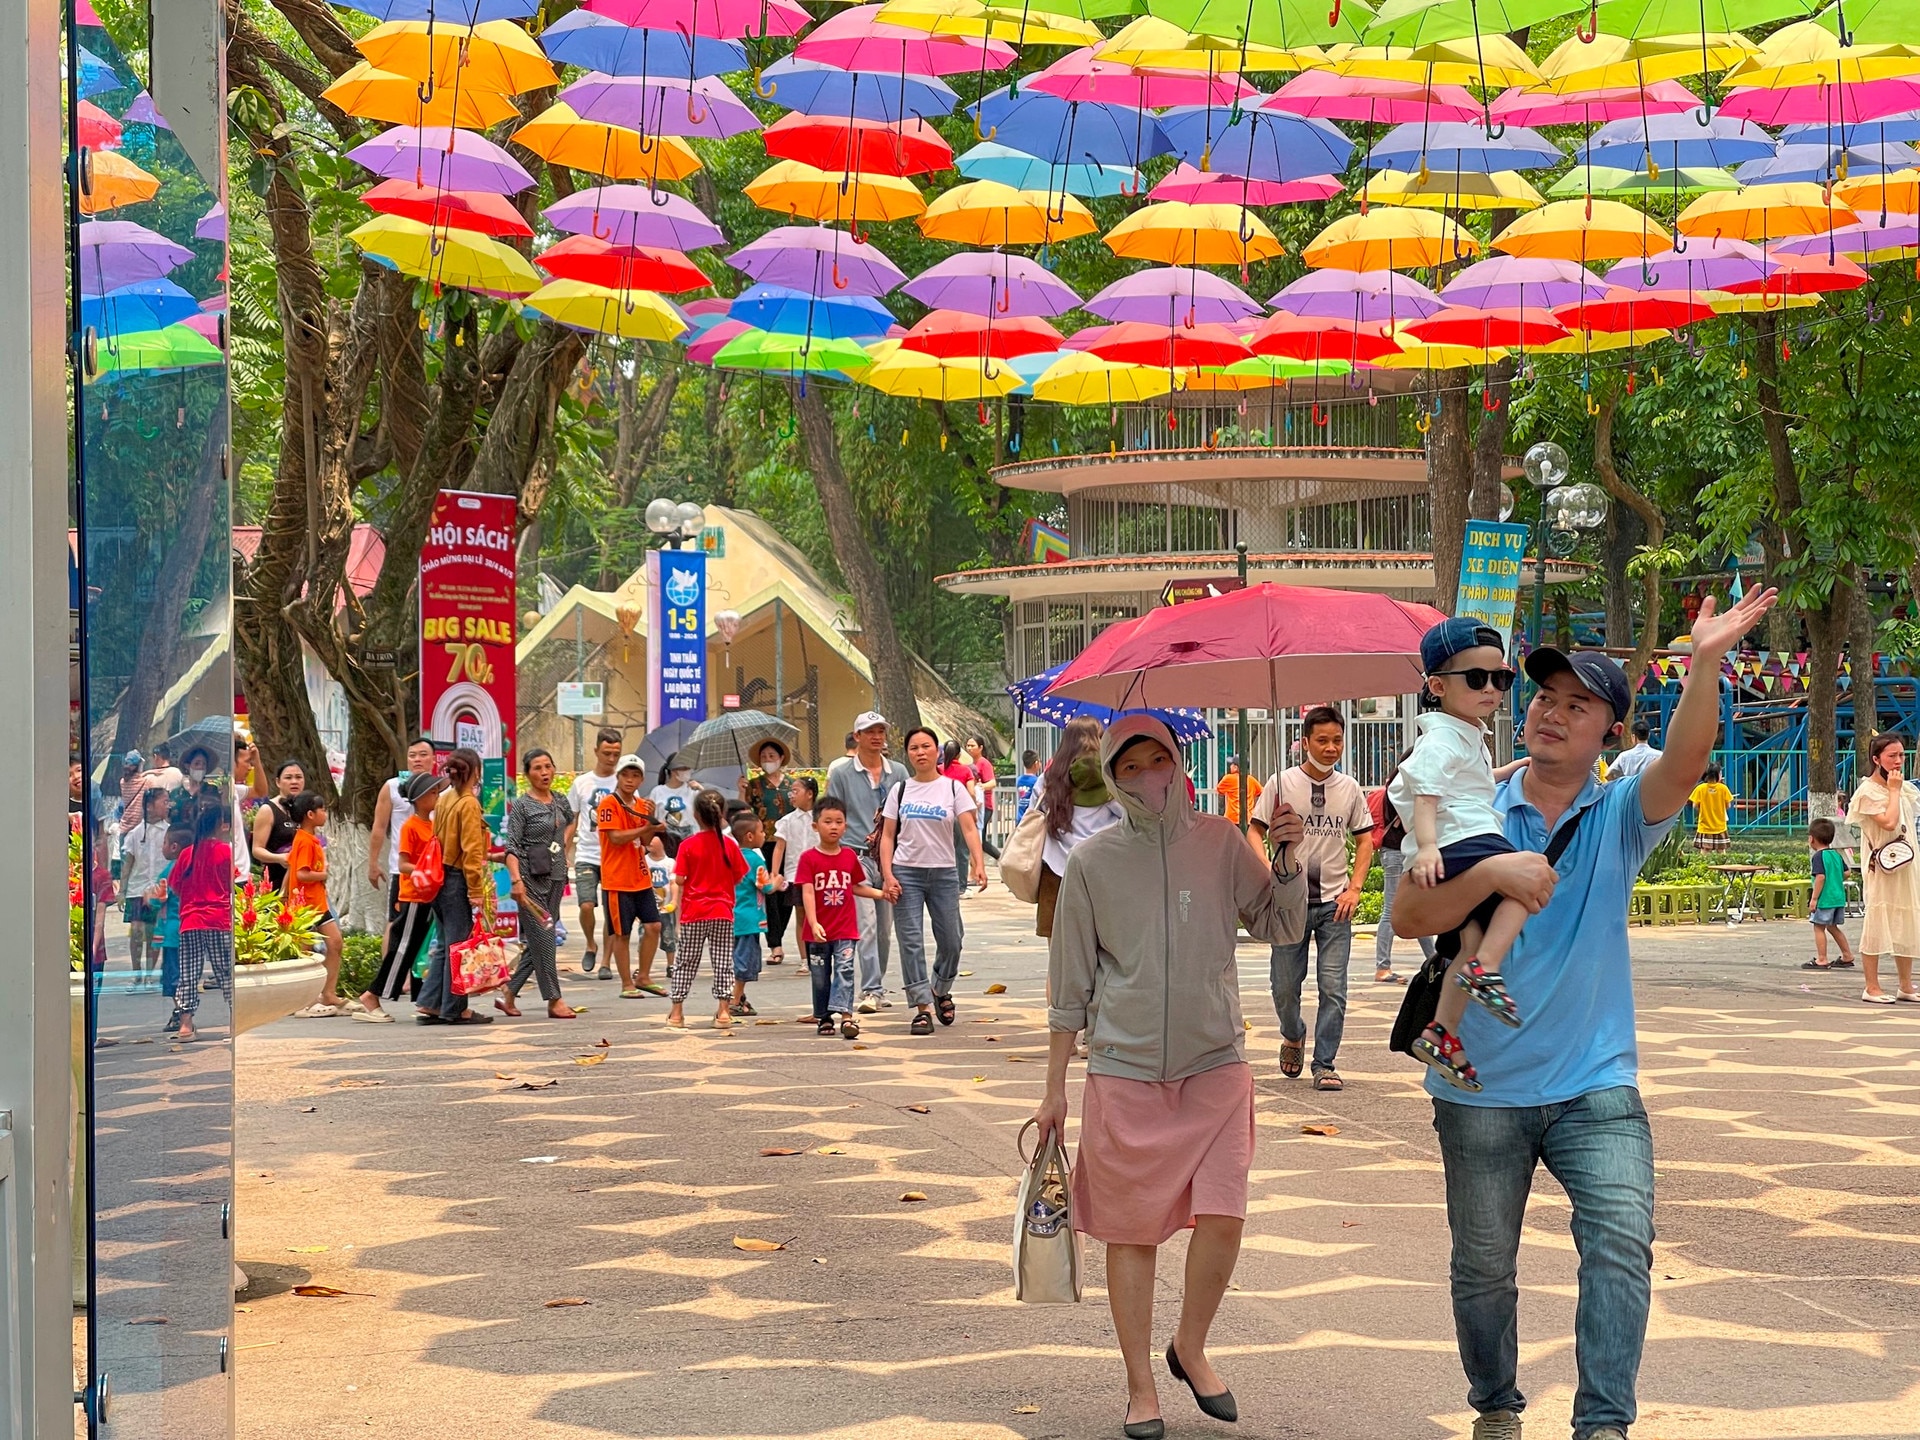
(1885, 807)
(539, 830)
(463, 844)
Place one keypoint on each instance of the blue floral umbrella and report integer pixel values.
(1030, 696)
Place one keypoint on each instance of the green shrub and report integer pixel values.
(360, 962)
(1367, 912)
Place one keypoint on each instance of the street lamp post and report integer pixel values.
(675, 520)
(1566, 512)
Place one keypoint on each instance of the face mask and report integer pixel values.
(1150, 788)
(199, 773)
(772, 767)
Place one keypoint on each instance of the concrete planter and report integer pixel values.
(265, 993)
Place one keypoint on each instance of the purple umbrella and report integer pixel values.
(443, 158)
(817, 259)
(1173, 295)
(118, 252)
(1896, 232)
(1361, 296)
(634, 215)
(991, 284)
(661, 105)
(141, 112)
(1706, 264)
(1509, 282)
(213, 224)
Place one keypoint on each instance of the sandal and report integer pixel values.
(744, 1006)
(776, 956)
(1447, 1057)
(1843, 965)
(467, 1017)
(316, 1011)
(373, 1017)
(1388, 977)
(943, 1007)
(633, 994)
(504, 1004)
(849, 1028)
(653, 989)
(826, 1028)
(923, 1023)
(1489, 989)
(1293, 1054)
(1328, 1080)
(1814, 965)
(571, 1013)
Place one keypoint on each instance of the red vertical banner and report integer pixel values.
(467, 623)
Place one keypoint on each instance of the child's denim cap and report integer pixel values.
(1450, 637)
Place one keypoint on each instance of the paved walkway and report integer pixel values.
(408, 1166)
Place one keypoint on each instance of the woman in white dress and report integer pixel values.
(1885, 807)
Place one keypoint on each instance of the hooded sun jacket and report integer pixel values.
(1142, 955)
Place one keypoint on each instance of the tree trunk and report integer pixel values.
(1783, 627)
(1490, 445)
(1450, 467)
(1865, 690)
(1625, 535)
(853, 551)
(1648, 638)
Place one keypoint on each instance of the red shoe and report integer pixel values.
(1490, 990)
(1447, 1057)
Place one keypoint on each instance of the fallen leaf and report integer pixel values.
(911, 1196)
(1319, 1129)
(590, 1059)
(603, 1043)
(964, 974)
(1026, 1409)
(766, 1022)
(829, 1150)
(579, 1189)
(327, 1292)
(917, 1109)
(779, 1150)
(564, 1302)
(1349, 1224)
(306, 1250)
(748, 1243)
(360, 1084)
(979, 1079)
(1246, 1024)
(148, 1320)
(993, 1039)
(243, 1309)
(994, 990)
(861, 1045)
(1016, 1059)
(536, 1084)
(501, 1075)
(819, 1259)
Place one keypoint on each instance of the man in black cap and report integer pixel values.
(1562, 1090)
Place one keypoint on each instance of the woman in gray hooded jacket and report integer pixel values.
(1142, 959)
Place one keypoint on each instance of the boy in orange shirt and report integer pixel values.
(407, 936)
(306, 888)
(626, 823)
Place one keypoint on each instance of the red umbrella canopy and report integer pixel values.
(1314, 337)
(475, 210)
(1169, 347)
(875, 147)
(621, 267)
(1487, 329)
(951, 335)
(1621, 310)
(1804, 275)
(1267, 645)
(94, 127)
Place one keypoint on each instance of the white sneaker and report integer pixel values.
(869, 1005)
(1497, 1425)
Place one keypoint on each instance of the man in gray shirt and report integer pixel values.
(860, 782)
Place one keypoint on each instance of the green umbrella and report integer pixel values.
(1635, 18)
(1610, 183)
(174, 348)
(1286, 24)
(1874, 22)
(1428, 22)
(796, 354)
(1079, 9)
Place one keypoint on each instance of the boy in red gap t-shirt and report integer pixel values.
(829, 877)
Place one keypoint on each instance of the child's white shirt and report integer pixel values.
(1449, 761)
(796, 828)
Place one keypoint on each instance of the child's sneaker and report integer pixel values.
(826, 1027)
(1445, 1055)
(1490, 990)
(849, 1028)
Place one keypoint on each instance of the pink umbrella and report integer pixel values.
(1817, 104)
(1083, 75)
(1520, 106)
(991, 284)
(1087, 337)
(714, 339)
(207, 325)
(855, 40)
(716, 19)
(1270, 645)
(1322, 95)
(1875, 233)
(1198, 187)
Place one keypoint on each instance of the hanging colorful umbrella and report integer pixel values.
(1169, 347)
(1805, 275)
(1488, 329)
(1896, 192)
(661, 105)
(372, 94)
(213, 224)
(1487, 61)
(876, 147)
(976, 21)
(1668, 142)
(856, 39)
(724, 19)
(982, 212)
(790, 188)
(1823, 103)
(143, 305)
(1706, 265)
(94, 127)
(174, 347)
(1264, 145)
(114, 253)
(1875, 238)
(706, 344)
(1078, 378)
(1511, 283)
(442, 158)
(1463, 145)
(1606, 182)
(1155, 44)
(595, 42)
(954, 335)
(629, 314)
(1584, 232)
(1175, 295)
(458, 12)
(621, 267)
(1452, 190)
(141, 112)
(792, 354)
(813, 88)
(1623, 310)
(1196, 187)
(561, 137)
(817, 259)
(913, 375)
(1327, 95)
(1388, 239)
(457, 258)
(1521, 106)
(1084, 75)
(1673, 17)
(787, 311)
(1068, 131)
(1873, 22)
(1281, 24)
(96, 76)
(1765, 212)
(1378, 297)
(1824, 164)
(1172, 232)
(1317, 337)
(634, 215)
(496, 55)
(1417, 355)
(1004, 165)
(992, 284)
(109, 180)
(475, 210)
(1807, 54)
(1612, 62)
(1424, 22)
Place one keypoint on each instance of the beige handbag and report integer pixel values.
(1046, 1248)
(1020, 857)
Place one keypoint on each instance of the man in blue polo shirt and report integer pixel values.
(1562, 1090)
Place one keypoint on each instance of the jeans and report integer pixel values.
(933, 889)
(1600, 1148)
(454, 913)
(1333, 939)
(830, 968)
(876, 931)
(1392, 864)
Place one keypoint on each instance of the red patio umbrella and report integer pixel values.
(621, 267)
(1315, 337)
(1488, 329)
(1170, 347)
(475, 210)
(874, 147)
(953, 335)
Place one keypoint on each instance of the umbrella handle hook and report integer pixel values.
(978, 133)
(1590, 31)
(1490, 402)
(659, 198)
(1320, 417)
(648, 143)
(693, 119)
(424, 91)
(855, 233)
(1495, 128)
(1423, 424)
(1593, 406)
(983, 404)
(790, 424)
(763, 88)
(840, 282)
(1005, 303)
(1333, 15)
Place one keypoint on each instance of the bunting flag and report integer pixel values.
(1044, 545)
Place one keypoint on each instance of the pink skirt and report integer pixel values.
(1154, 1154)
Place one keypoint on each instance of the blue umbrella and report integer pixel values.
(814, 88)
(96, 75)
(1463, 145)
(990, 160)
(1030, 695)
(1820, 164)
(1073, 131)
(1030, 368)
(1264, 145)
(451, 12)
(795, 312)
(146, 305)
(1674, 142)
(1903, 126)
(594, 42)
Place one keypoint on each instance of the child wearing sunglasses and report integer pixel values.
(1443, 791)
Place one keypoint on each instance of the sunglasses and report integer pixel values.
(1479, 679)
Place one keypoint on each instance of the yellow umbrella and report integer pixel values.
(1173, 232)
(1491, 60)
(927, 377)
(985, 212)
(1611, 62)
(1081, 379)
(560, 136)
(113, 180)
(371, 94)
(630, 314)
(1388, 239)
(1808, 54)
(1453, 190)
(460, 258)
(1726, 304)
(1155, 44)
(989, 22)
(1216, 380)
(1896, 192)
(1593, 342)
(1765, 212)
(791, 188)
(1584, 231)
(496, 55)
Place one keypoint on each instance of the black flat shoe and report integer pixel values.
(1154, 1429)
(1220, 1407)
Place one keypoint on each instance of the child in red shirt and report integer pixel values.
(829, 877)
(709, 866)
(202, 878)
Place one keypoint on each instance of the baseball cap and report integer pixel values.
(630, 762)
(422, 785)
(867, 719)
(1598, 673)
(1450, 637)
